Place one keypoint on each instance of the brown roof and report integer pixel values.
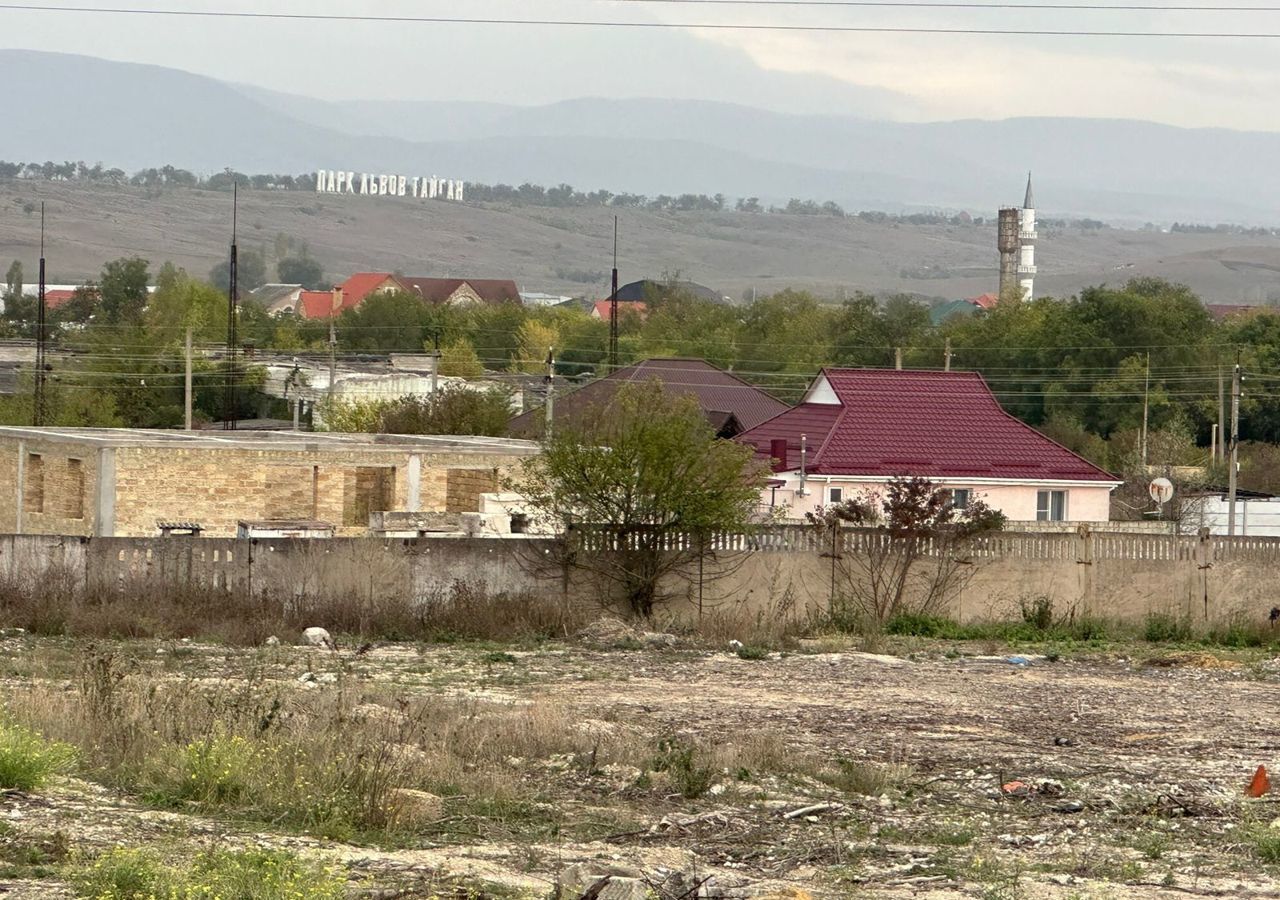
(726, 399)
(439, 290)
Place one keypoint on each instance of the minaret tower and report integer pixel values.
(1027, 239)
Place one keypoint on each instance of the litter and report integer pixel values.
(1261, 783)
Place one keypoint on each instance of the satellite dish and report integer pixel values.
(1161, 491)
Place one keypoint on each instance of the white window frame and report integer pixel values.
(1045, 502)
(968, 497)
(835, 495)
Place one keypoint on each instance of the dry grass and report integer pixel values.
(55, 604)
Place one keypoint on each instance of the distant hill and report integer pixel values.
(73, 107)
(569, 250)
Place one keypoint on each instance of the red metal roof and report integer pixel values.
(601, 308)
(907, 423)
(439, 290)
(718, 393)
(360, 285)
(319, 304)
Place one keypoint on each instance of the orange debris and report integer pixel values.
(1261, 783)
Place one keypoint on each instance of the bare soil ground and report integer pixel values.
(960, 774)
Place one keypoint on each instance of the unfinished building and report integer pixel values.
(126, 483)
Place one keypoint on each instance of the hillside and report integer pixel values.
(544, 248)
(1123, 171)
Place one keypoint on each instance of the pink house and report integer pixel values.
(858, 428)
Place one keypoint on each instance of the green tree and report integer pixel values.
(301, 270)
(459, 359)
(13, 280)
(534, 341)
(454, 409)
(122, 290)
(251, 272)
(650, 468)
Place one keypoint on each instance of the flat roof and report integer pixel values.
(302, 441)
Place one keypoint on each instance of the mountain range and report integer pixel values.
(1124, 171)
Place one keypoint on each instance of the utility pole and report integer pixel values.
(187, 382)
(551, 392)
(1222, 418)
(1236, 379)
(435, 361)
(897, 357)
(38, 410)
(233, 299)
(1146, 408)
(333, 360)
(946, 357)
(613, 304)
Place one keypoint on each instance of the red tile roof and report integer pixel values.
(905, 423)
(54, 299)
(986, 301)
(319, 304)
(601, 308)
(439, 290)
(718, 392)
(360, 285)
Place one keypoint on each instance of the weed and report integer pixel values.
(752, 652)
(497, 657)
(1162, 628)
(127, 874)
(871, 779)
(27, 760)
(1153, 846)
(681, 764)
(1265, 843)
(1037, 612)
(30, 856)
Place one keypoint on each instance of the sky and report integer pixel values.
(913, 77)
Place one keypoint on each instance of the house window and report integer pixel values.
(835, 495)
(960, 497)
(1051, 506)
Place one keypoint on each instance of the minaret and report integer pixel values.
(1027, 240)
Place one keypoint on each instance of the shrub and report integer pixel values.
(751, 652)
(924, 626)
(1240, 632)
(126, 874)
(682, 765)
(1037, 612)
(864, 777)
(27, 760)
(1162, 628)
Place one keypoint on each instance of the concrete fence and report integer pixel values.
(782, 570)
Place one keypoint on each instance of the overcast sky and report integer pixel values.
(1194, 82)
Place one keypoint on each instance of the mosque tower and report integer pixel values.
(1027, 240)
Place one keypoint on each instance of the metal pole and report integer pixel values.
(38, 410)
(613, 304)
(229, 396)
(1222, 418)
(551, 391)
(946, 357)
(1146, 407)
(187, 382)
(1235, 450)
(333, 363)
(897, 357)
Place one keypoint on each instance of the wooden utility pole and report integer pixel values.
(1146, 409)
(187, 393)
(1234, 462)
(551, 392)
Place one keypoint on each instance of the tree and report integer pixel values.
(881, 577)
(648, 469)
(460, 360)
(534, 341)
(301, 270)
(123, 290)
(454, 409)
(13, 280)
(251, 272)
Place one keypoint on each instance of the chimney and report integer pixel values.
(778, 450)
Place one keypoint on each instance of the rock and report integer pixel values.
(576, 879)
(735, 646)
(407, 806)
(272, 641)
(307, 678)
(659, 639)
(327, 678)
(608, 632)
(317, 637)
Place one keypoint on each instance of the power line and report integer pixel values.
(934, 4)
(587, 23)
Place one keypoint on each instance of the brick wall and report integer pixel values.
(463, 488)
(59, 491)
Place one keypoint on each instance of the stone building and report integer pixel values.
(124, 483)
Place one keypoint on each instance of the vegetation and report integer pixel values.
(27, 760)
(130, 874)
(640, 478)
(455, 408)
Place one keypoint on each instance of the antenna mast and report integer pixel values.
(39, 409)
(233, 297)
(613, 304)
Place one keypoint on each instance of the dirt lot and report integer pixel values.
(938, 771)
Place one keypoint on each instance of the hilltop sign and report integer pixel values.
(332, 181)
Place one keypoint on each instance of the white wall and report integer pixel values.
(1254, 518)
(1085, 502)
